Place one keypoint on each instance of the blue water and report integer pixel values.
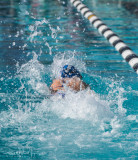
(37, 37)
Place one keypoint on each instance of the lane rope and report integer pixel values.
(104, 30)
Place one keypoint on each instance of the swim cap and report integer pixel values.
(69, 72)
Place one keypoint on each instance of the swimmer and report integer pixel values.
(70, 77)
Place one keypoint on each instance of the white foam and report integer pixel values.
(42, 88)
(83, 105)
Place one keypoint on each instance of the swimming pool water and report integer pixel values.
(37, 37)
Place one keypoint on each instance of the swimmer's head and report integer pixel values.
(69, 71)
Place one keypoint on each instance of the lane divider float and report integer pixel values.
(113, 38)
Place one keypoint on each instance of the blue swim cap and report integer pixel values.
(69, 72)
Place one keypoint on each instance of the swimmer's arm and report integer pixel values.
(84, 85)
(90, 91)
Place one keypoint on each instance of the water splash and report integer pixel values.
(35, 32)
(80, 120)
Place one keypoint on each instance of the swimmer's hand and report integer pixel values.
(56, 85)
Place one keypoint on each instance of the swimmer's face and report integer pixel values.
(73, 83)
